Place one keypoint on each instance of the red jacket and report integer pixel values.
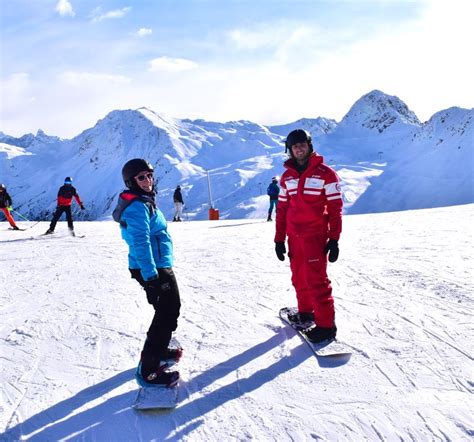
(309, 203)
(65, 195)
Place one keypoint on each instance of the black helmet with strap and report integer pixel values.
(132, 168)
(298, 136)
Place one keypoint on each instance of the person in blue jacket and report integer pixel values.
(150, 261)
(273, 191)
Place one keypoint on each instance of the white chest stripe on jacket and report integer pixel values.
(314, 183)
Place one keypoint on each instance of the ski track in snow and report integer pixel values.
(73, 323)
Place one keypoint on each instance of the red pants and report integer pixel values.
(9, 216)
(309, 277)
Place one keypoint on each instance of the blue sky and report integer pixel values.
(67, 63)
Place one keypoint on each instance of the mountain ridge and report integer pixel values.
(371, 148)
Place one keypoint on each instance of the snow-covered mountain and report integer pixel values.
(387, 160)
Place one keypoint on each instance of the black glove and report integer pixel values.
(333, 248)
(157, 287)
(136, 274)
(82, 207)
(280, 250)
(152, 289)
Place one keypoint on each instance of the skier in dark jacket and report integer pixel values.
(273, 191)
(65, 195)
(150, 261)
(6, 205)
(178, 203)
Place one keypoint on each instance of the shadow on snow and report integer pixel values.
(115, 416)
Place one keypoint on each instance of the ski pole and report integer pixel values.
(20, 215)
(37, 222)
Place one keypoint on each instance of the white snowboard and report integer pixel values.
(333, 348)
(149, 398)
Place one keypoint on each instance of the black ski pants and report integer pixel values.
(165, 320)
(57, 214)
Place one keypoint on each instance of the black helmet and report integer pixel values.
(132, 168)
(3, 187)
(68, 180)
(275, 179)
(297, 136)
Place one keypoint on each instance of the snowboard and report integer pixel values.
(152, 397)
(326, 349)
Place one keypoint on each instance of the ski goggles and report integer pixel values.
(145, 176)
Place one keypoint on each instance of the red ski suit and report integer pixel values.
(310, 213)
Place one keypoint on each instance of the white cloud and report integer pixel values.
(98, 15)
(64, 8)
(425, 62)
(168, 64)
(143, 32)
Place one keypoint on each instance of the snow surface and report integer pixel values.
(73, 323)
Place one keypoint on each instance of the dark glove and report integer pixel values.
(152, 289)
(156, 287)
(333, 248)
(82, 207)
(280, 250)
(136, 274)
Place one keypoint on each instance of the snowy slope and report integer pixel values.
(73, 323)
(386, 158)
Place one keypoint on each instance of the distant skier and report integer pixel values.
(65, 195)
(178, 203)
(273, 191)
(310, 214)
(150, 261)
(6, 206)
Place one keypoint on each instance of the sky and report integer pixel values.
(67, 63)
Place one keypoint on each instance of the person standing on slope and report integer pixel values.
(178, 204)
(65, 195)
(150, 261)
(310, 214)
(6, 206)
(273, 191)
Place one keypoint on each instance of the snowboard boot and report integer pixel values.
(49, 231)
(173, 356)
(302, 320)
(15, 228)
(320, 334)
(153, 372)
(269, 218)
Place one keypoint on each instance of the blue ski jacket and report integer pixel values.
(144, 229)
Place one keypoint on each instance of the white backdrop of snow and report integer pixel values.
(73, 323)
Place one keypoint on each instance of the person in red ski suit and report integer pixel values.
(5, 206)
(310, 215)
(65, 195)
